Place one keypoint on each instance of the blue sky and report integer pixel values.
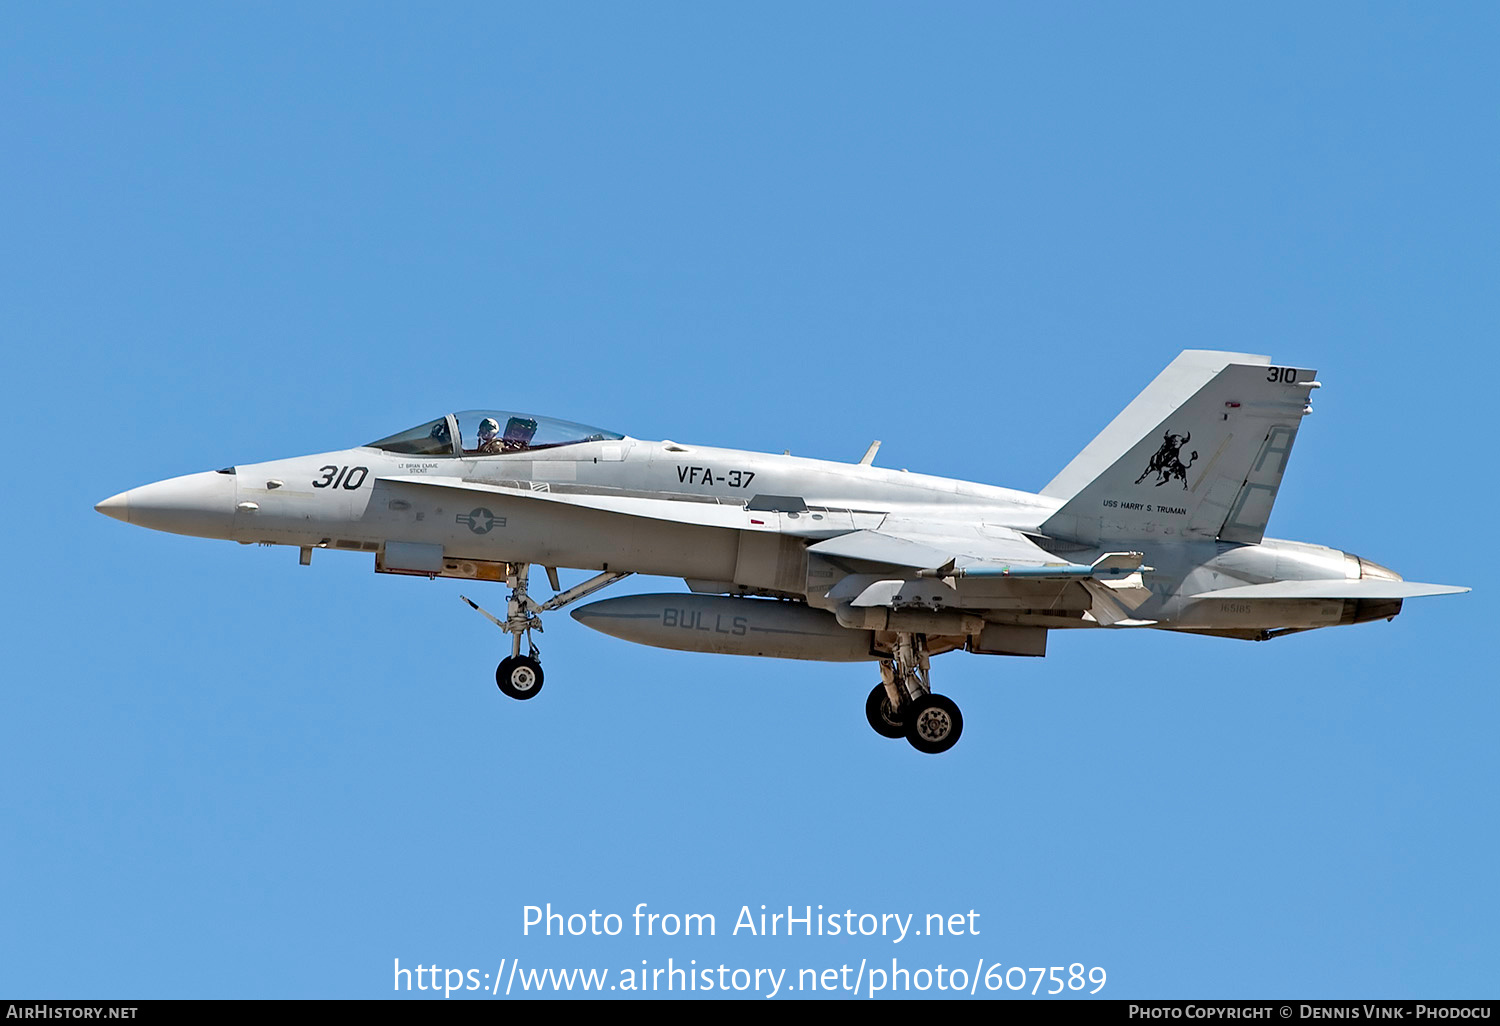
(239, 232)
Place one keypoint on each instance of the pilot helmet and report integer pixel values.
(489, 427)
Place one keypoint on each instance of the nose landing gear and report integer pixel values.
(903, 705)
(520, 676)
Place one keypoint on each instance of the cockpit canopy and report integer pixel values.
(490, 433)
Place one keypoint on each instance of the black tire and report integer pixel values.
(519, 677)
(934, 724)
(878, 712)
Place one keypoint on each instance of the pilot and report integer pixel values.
(489, 444)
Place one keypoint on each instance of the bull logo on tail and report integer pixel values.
(1167, 463)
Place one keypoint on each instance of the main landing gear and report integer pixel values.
(520, 676)
(903, 705)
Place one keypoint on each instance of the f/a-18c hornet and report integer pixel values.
(1158, 523)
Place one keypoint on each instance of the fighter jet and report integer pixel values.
(1157, 524)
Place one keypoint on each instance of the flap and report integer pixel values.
(936, 547)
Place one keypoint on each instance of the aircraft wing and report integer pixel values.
(933, 550)
(950, 552)
(905, 543)
(898, 546)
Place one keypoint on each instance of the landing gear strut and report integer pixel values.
(520, 676)
(903, 705)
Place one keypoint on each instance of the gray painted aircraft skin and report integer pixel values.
(1158, 523)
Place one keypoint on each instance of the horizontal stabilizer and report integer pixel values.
(1113, 607)
(1365, 588)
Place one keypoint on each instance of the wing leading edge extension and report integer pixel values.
(702, 514)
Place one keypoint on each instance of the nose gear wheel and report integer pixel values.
(519, 677)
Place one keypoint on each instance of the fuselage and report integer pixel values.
(366, 498)
(1158, 523)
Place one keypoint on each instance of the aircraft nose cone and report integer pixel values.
(117, 506)
(196, 504)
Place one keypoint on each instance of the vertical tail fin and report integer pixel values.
(1198, 454)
